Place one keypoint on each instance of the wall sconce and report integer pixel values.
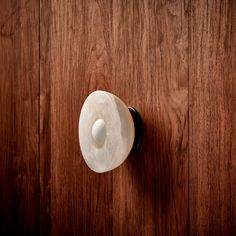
(109, 131)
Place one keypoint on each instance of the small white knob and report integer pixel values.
(107, 130)
(99, 132)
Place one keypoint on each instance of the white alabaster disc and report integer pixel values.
(106, 131)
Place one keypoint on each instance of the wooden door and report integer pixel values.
(175, 61)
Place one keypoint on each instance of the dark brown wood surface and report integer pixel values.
(212, 121)
(19, 117)
(174, 61)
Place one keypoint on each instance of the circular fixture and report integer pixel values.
(108, 131)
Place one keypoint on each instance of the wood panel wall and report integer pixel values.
(19, 117)
(212, 126)
(175, 61)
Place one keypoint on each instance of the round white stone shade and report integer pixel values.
(106, 131)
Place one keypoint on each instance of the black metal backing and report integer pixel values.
(138, 130)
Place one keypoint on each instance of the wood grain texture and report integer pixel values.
(78, 196)
(172, 60)
(138, 51)
(19, 136)
(45, 120)
(212, 118)
(152, 187)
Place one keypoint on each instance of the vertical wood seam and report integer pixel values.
(189, 107)
(39, 84)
